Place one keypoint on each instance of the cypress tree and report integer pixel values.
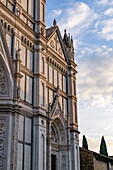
(103, 147)
(84, 143)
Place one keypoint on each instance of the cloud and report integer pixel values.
(96, 26)
(105, 2)
(95, 75)
(107, 29)
(77, 18)
(109, 12)
(55, 13)
(102, 2)
(95, 94)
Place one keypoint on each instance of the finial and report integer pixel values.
(65, 30)
(71, 39)
(54, 23)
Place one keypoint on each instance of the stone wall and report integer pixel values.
(93, 161)
(98, 165)
(86, 160)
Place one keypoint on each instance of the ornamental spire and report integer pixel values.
(54, 23)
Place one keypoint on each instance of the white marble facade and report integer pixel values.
(38, 102)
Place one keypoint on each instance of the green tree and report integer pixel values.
(84, 143)
(103, 147)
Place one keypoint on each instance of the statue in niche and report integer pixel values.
(42, 31)
(18, 53)
(53, 136)
(52, 44)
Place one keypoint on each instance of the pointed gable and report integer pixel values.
(4, 50)
(6, 68)
(55, 42)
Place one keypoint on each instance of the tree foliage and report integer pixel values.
(84, 143)
(103, 147)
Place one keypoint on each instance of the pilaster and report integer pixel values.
(39, 143)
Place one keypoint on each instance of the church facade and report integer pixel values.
(38, 102)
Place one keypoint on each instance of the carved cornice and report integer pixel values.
(58, 66)
(27, 42)
(26, 70)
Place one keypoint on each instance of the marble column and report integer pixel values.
(49, 143)
(68, 142)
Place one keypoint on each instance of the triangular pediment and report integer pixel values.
(56, 109)
(55, 42)
(4, 51)
(6, 68)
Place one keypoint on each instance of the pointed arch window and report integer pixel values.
(9, 39)
(24, 157)
(74, 87)
(77, 157)
(26, 85)
(43, 65)
(75, 110)
(65, 84)
(27, 57)
(55, 78)
(65, 107)
(42, 151)
(43, 12)
(43, 94)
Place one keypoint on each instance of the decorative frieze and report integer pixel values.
(2, 137)
(52, 43)
(57, 65)
(3, 83)
(27, 42)
(63, 161)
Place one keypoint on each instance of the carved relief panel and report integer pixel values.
(63, 161)
(3, 83)
(2, 137)
(55, 44)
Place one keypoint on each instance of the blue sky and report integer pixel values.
(91, 25)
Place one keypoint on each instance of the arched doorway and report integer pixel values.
(58, 143)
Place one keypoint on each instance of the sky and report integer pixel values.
(91, 25)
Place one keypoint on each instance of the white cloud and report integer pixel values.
(109, 12)
(77, 18)
(107, 29)
(102, 2)
(55, 13)
(95, 95)
(95, 75)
